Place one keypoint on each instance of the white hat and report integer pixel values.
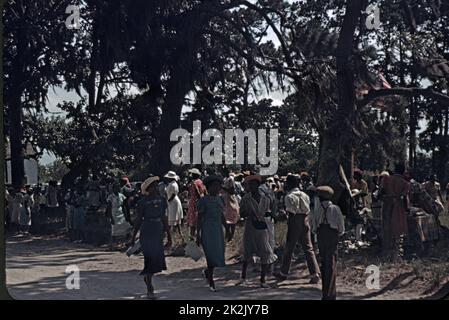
(195, 171)
(147, 183)
(171, 175)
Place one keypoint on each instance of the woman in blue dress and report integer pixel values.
(210, 227)
(151, 221)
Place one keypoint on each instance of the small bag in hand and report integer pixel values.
(194, 251)
(258, 224)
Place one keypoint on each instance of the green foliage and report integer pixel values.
(217, 52)
(54, 171)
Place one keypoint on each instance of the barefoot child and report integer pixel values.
(151, 221)
(210, 227)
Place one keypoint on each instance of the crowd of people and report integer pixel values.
(213, 205)
(216, 204)
(24, 203)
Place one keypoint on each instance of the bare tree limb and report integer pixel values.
(410, 92)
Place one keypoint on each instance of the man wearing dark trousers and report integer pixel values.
(328, 224)
(297, 206)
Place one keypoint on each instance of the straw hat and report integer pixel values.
(325, 192)
(147, 183)
(195, 171)
(171, 175)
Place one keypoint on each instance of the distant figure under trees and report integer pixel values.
(394, 191)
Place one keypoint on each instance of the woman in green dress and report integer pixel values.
(210, 227)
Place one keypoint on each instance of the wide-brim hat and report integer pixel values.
(148, 182)
(384, 174)
(171, 175)
(195, 171)
(253, 177)
(325, 192)
(212, 178)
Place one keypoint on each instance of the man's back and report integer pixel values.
(297, 202)
(395, 185)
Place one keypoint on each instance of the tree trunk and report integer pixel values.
(337, 140)
(178, 86)
(412, 136)
(3, 291)
(15, 113)
(16, 140)
(177, 89)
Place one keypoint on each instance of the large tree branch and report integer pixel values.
(249, 57)
(411, 92)
(263, 12)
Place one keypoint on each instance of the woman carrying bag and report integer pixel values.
(254, 207)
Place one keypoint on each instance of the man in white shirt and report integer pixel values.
(297, 206)
(328, 224)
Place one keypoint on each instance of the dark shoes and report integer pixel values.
(280, 277)
(315, 279)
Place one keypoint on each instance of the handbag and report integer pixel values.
(135, 249)
(258, 224)
(193, 251)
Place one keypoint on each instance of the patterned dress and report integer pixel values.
(192, 211)
(231, 202)
(256, 242)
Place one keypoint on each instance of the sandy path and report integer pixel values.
(36, 270)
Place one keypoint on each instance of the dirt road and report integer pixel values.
(36, 270)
